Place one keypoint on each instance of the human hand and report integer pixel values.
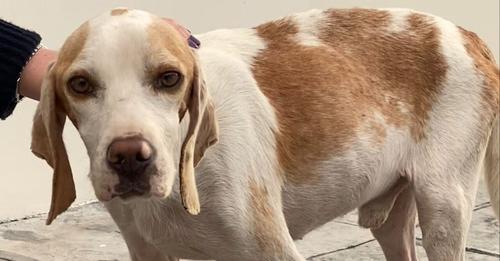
(34, 72)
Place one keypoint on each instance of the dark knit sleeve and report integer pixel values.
(16, 47)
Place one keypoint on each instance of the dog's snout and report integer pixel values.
(130, 155)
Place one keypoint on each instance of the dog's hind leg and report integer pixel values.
(396, 235)
(444, 212)
(445, 195)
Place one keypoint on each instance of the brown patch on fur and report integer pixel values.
(69, 52)
(486, 66)
(118, 11)
(165, 40)
(322, 94)
(169, 49)
(265, 225)
(162, 36)
(71, 49)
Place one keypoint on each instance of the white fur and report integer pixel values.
(122, 105)
(309, 25)
(451, 151)
(399, 19)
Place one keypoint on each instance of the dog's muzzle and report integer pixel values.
(131, 158)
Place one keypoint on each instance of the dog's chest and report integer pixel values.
(174, 232)
(171, 233)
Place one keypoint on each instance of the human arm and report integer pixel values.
(17, 46)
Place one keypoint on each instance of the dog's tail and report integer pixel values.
(492, 167)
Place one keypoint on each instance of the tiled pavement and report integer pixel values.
(87, 233)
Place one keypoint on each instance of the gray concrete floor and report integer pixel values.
(87, 233)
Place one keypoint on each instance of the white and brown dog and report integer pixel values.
(276, 130)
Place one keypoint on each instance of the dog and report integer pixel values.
(234, 150)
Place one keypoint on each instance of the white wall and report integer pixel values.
(25, 180)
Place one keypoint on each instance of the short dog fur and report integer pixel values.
(275, 130)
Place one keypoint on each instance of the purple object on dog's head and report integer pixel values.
(193, 42)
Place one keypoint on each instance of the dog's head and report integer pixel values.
(126, 79)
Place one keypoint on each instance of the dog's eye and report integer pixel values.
(80, 85)
(168, 79)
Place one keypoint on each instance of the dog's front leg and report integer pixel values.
(268, 228)
(139, 248)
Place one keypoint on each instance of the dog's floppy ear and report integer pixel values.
(202, 133)
(47, 143)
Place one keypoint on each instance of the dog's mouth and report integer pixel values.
(130, 194)
(127, 189)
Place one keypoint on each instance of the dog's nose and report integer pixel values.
(130, 155)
